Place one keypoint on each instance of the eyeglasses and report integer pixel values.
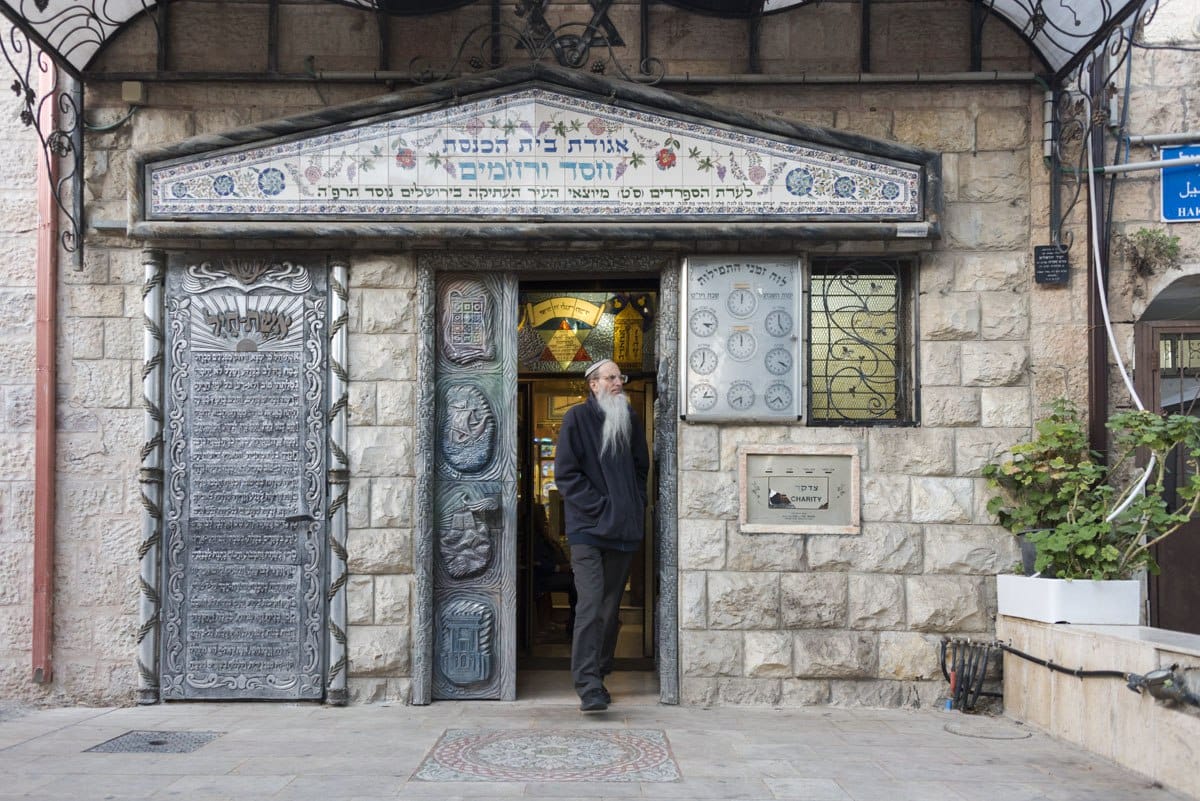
(608, 379)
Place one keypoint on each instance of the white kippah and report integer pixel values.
(594, 366)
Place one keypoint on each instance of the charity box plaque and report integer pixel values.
(798, 489)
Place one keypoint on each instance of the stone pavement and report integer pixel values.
(543, 747)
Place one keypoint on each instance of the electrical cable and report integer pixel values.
(1079, 673)
(112, 126)
(1102, 298)
(966, 672)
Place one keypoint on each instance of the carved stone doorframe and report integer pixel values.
(573, 265)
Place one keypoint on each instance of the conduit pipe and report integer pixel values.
(44, 395)
(1187, 137)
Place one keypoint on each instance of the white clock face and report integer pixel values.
(703, 397)
(703, 322)
(703, 360)
(740, 395)
(778, 323)
(778, 361)
(741, 345)
(741, 302)
(778, 397)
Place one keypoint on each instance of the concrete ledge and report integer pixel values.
(1099, 714)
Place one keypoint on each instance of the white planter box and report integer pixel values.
(1070, 601)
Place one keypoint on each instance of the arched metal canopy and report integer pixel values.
(1062, 32)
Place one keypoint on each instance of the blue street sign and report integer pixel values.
(1181, 186)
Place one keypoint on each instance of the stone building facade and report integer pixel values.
(767, 619)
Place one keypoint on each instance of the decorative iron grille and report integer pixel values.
(858, 332)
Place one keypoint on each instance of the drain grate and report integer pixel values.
(156, 742)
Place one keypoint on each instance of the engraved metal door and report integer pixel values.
(245, 440)
(474, 489)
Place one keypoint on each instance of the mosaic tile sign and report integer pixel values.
(532, 153)
(550, 755)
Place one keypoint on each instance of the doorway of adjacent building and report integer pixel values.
(1168, 359)
(545, 582)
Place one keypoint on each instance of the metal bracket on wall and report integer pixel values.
(1081, 106)
(57, 119)
(579, 45)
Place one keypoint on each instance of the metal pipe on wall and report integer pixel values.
(45, 433)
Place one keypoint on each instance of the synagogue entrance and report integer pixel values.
(508, 345)
(563, 319)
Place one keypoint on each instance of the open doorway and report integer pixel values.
(545, 584)
(1168, 359)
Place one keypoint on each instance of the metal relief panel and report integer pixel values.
(245, 524)
(474, 514)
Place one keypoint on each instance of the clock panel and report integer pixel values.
(742, 338)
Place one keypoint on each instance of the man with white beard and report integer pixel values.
(600, 468)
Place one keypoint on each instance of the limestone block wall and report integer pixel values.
(765, 619)
(383, 368)
(18, 241)
(855, 619)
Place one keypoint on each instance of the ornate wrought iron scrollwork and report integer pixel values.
(1079, 111)
(61, 143)
(577, 45)
(858, 371)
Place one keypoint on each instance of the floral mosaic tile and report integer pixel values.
(532, 152)
(550, 755)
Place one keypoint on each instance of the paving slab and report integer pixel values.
(297, 752)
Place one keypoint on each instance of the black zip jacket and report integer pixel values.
(604, 499)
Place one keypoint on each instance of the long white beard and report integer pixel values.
(617, 423)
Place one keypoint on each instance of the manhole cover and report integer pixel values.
(987, 730)
(163, 742)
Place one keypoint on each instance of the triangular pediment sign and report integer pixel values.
(537, 151)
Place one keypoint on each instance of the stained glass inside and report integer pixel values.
(564, 332)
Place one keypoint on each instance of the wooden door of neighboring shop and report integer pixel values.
(1168, 359)
(475, 488)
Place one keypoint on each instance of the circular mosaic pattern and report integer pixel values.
(223, 185)
(559, 755)
(799, 182)
(179, 189)
(891, 190)
(271, 181)
(843, 187)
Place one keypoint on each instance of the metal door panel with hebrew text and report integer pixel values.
(245, 430)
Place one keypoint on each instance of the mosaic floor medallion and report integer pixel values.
(550, 755)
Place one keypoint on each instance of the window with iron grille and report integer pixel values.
(860, 355)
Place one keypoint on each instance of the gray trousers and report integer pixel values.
(600, 576)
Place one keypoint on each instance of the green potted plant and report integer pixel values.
(1092, 525)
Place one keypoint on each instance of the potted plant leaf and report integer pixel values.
(1093, 525)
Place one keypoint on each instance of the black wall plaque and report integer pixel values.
(1051, 265)
(245, 539)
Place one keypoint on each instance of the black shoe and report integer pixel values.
(594, 701)
(604, 693)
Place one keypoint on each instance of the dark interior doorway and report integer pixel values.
(544, 580)
(1169, 382)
